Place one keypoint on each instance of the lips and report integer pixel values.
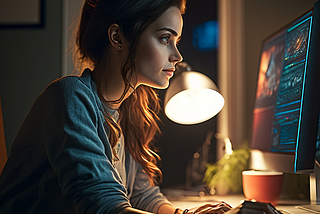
(169, 72)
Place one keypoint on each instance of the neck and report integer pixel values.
(110, 84)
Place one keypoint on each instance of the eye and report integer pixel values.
(165, 39)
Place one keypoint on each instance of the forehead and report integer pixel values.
(171, 18)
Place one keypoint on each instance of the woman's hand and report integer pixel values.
(214, 208)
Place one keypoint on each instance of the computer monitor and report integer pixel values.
(285, 129)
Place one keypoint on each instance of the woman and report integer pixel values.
(85, 146)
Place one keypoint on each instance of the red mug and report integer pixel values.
(262, 186)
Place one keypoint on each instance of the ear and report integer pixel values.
(115, 36)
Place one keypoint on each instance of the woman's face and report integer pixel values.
(157, 52)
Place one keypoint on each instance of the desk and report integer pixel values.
(285, 206)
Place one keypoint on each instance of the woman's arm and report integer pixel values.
(164, 209)
(78, 149)
(130, 210)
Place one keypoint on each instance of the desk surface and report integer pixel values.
(285, 206)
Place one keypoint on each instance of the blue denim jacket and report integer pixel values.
(61, 160)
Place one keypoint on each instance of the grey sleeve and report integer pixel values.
(144, 196)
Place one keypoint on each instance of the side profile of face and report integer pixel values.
(157, 52)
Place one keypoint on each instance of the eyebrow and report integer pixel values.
(170, 30)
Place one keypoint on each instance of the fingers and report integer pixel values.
(226, 204)
(215, 208)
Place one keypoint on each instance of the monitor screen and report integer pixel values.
(286, 109)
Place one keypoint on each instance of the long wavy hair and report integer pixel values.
(138, 120)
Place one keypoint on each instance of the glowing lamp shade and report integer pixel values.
(192, 98)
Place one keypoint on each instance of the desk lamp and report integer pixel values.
(192, 97)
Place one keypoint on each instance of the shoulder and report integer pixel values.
(69, 87)
(71, 84)
(71, 93)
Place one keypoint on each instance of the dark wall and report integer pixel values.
(179, 142)
(30, 60)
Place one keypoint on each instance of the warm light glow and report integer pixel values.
(258, 158)
(192, 97)
(194, 105)
(228, 146)
(264, 173)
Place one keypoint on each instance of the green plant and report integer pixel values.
(227, 172)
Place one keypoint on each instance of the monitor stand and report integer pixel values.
(314, 205)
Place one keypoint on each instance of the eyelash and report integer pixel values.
(167, 40)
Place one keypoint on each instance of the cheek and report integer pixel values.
(155, 55)
(152, 52)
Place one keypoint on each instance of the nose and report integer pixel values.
(175, 56)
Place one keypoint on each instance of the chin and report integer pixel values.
(159, 85)
(163, 86)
